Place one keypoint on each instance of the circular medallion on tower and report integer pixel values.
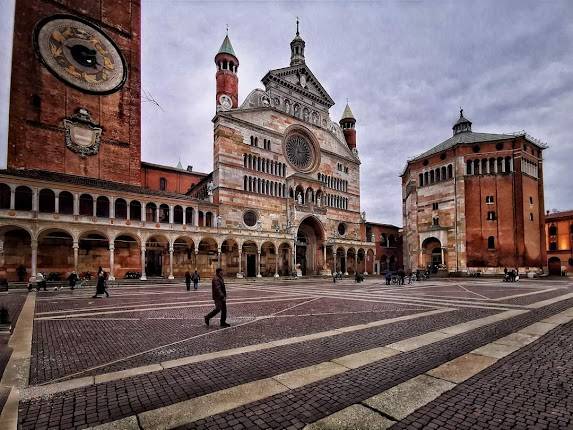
(250, 218)
(80, 54)
(300, 151)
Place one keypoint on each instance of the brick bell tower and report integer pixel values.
(227, 80)
(75, 89)
(348, 124)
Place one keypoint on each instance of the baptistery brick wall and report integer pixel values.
(39, 102)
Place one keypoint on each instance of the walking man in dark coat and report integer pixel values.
(219, 297)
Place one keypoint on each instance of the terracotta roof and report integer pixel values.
(89, 182)
(556, 215)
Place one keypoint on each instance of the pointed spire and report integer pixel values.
(226, 47)
(297, 26)
(347, 114)
(297, 48)
(179, 165)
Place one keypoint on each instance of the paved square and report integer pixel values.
(298, 353)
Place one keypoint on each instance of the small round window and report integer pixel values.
(250, 218)
(341, 229)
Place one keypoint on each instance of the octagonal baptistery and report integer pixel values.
(474, 203)
(283, 170)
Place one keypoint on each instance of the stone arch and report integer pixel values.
(177, 214)
(432, 252)
(127, 255)
(135, 210)
(86, 205)
(370, 261)
(184, 257)
(55, 253)
(284, 259)
(16, 261)
(351, 260)
(65, 203)
(23, 198)
(150, 212)
(268, 261)
(554, 266)
(163, 213)
(361, 260)
(5, 196)
(189, 215)
(207, 260)
(230, 257)
(46, 201)
(102, 207)
(309, 246)
(93, 251)
(120, 208)
(250, 250)
(156, 255)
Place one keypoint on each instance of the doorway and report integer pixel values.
(251, 265)
(154, 262)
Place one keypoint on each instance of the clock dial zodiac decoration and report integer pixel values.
(80, 54)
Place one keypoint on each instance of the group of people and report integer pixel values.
(510, 275)
(401, 275)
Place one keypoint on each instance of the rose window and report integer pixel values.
(299, 152)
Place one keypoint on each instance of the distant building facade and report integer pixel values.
(389, 246)
(559, 239)
(475, 202)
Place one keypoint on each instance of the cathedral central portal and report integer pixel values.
(310, 239)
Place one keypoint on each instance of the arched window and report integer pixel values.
(5, 195)
(500, 165)
(553, 230)
(23, 199)
(150, 211)
(426, 178)
(432, 177)
(47, 201)
(476, 167)
(66, 203)
(491, 166)
(163, 213)
(102, 207)
(421, 180)
(444, 173)
(208, 219)
(120, 209)
(450, 171)
(189, 212)
(245, 183)
(162, 184)
(508, 168)
(177, 215)
(438, 175)
(134, 210)
(491, 242)
(86, 205)
(245, 161)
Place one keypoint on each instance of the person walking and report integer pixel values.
(188, 280)
(388, 277)
(219, 297)
(195, 278)
(72, 280)
(41, 281)
(401, 276)
(100, 283)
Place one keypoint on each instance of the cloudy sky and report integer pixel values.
(406, 66)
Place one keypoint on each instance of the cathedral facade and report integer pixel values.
(283, 196)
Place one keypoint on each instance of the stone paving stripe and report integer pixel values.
(418, 341)
(515, 296)
(155, 308)
(549, 301)
(17, 371)
(355, 417)
(517, 339)
(198, 408)
(403, 399)
(46, 389)
(209, 404)
(359, 359)
(538, 329)
(462, 328)
(462, 368)
(129, 423)
(107, 377)
(307, 375)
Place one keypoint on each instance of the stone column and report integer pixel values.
(34, 245)
(196, 217)
(128, 215)
(35, 202)
(111, 260)
(156, 212)
(171, 262)
(2, 262)
(239, 274)
(76, 204)
(259, 264)
(219, 256)
(57, 202)
(143, 214)
(94, 210)
(294, 258)
(184, 215)
(345, 262)
(443, 260)
(170, 214)
(324, 267)
(12, 198)
(196, 252)
(112, 208)
(76, 247)
(276, 261)
(143, 276)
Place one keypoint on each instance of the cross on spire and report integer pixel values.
(297, 21)
(461, 112)
(227, 29)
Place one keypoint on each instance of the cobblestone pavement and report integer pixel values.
(146, 351)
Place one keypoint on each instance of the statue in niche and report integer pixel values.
(299, 198)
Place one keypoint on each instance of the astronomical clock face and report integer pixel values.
(300, 152)
(80, 54)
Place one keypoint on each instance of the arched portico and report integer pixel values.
(432, 252)
(156, 249)
(230, 257)
(250, 255)
(184, 258)
(310, 257)
(126, 255)
(18, 254)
